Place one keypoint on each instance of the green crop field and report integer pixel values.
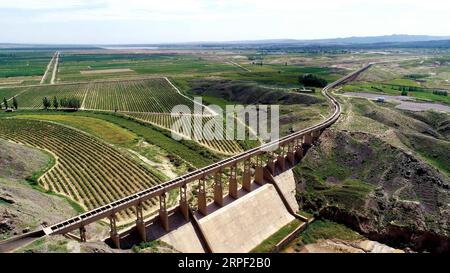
(23, 63)
(149, 100)
(138, 64)
(151, 95)
(224, 146)
(155, 95)
(31, 97)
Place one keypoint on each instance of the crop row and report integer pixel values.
(87, 170)
(196, 127)
(32, 98)
(155, 95)
(150, 100)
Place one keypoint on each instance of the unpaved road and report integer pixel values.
(404, 102)
(55, 68)
(48, 68)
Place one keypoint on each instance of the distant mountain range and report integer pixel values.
(396, 40)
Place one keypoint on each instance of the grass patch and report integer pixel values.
(104, 130)
(152, 247)
(268, 244)
(39, 243)
(324, 229)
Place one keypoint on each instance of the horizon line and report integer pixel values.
(229, 41)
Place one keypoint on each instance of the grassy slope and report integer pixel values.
(104, 130)
(421, 135)
(268, 244)
(324, 229)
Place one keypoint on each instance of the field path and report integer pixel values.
(240, 66)
(55, 68)
(48, 69)
(195, 102)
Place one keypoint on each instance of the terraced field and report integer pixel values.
(148, 100)
(87, 170)
(208, 140)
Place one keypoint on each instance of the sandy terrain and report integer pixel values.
(341, 246)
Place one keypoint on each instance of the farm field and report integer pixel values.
(87, 170)
(148, 100)
(23, 63)
(128, 133)
(228, 147)
(424, 79)
(149, 96)
(162, 64)
(31, 97)
(102, 129)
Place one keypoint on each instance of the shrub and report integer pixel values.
(312, 80)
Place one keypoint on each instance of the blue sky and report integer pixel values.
(155, 21)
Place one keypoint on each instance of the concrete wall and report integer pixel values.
(286, 183)
(184, 239)
(246, 222)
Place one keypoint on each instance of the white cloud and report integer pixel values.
(154, 10)
(227, 19)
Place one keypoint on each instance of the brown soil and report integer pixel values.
(22, 208)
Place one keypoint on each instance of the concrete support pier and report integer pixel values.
(281, 159)
(218, 188)
(140, 224)
(291, 153)
(83, 234)
(163, 215)
(271, 163)
(247, 176)
(114, 235)
(232, 184)
(259, 171)
(298, 148)
(201, 197)
(307, 139)
(184, 206)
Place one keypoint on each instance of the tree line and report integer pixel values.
(312, 80)
(5, 104)
(66, 103)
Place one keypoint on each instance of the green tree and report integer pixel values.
(46, 103)
(5, 103)
(312, 80)
(55, 103)
(63, 102)
(15, 103)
